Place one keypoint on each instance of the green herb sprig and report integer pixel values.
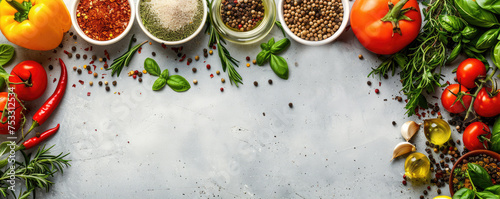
(268, 53)
(124, 60)
(175, 82)
(35, 171)
(226, 59)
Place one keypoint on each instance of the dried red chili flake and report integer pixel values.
(214, 47)
(379, 83)
(91, 48)
(106, 54)
(86, 49)
(164, 46)
(91, 62)
(139, 51)
(103, 20)
(81, 82)
(94, 66)
(66, 52)
(55, 79)
(88, 94)
(221, 89)
(182, 58)
(90, 72)
(211, 75)
(74, 85)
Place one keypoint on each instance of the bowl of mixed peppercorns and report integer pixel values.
(486, 159)
(314, 22)
(244, 21)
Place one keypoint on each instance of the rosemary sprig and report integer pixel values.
(226, 59)
(124, 60)
(34, 172)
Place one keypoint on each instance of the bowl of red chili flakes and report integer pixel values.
(102, 22)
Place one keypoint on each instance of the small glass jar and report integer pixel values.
(245, 37)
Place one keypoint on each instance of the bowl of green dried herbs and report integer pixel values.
(171, 22)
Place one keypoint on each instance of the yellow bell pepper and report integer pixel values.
(35, 24)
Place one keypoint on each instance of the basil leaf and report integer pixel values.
(279, 66)
(152, 67)
(178, 83)
(464, 193)
(495, 189)
(270, 43)
(488, 39)
(263, 57)
(451, 23)
(159, 83)
(479, 176)
(454, 53)
(456, 38)
(475, 15)
(164, 74)
(487, 195)
(490, 5)
(280, 46)
(264, 46)
(6, 53)
(495, 132)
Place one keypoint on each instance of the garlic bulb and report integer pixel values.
(403, 148)
(409, 129)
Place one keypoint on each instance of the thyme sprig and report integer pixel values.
(34, 172)
(226, 59)
(124, 60)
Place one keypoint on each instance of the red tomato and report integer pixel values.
(15, 118)
(378, 36)
(448, 99)
(474, 136)
(35, 78)
(468, 71)
(487, 106)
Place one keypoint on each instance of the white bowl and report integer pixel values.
(202, 24)
(345, 20)
(96, 42)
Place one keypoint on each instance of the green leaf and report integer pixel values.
(490, 5)
(152, 67)
(488, 39)
(495, 57)
(464, 193)
(469, 32)
(281, 27)
(479, 176)
(4, 147)
(486, 195)
(164, 74)
(264, 46)
(6, 53)
(178, 83)
(159, 83)
(263, 57)
(280, 46)
(451, 23)
(454, 53)
(494, 189)
(495, 132)
(279, 66)
(270, 43)
(475, 15)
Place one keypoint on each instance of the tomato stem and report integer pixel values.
(480, 86)
(397, 13)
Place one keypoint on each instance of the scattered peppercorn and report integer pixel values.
(78, 56)
(107, 88)
(60, 45)
(73, 48)
(221, 89)
(404, 182)
(176, 70)
(153, 53)
(140, 74)
(369, 83)
(100, 59)
(51, 67)
(270, 81)
(84, 56)
(394, 123)
(210, 52)
(194, 70)
(74, 37)
(248, 58)
(70, 55)
(114, 83)
(248, 64)
(360, 56)
(190, 60)
(254, 61)
(217, 72)
(91, 83)
(79, 71)
(196, 57)
(255, 83)
(208, 66)
(100, 83)
(94, 57)
(377, 91)
(223, 80)
(95, 74)
(195, 81)
(105, 82)
(74, 68)
(106, 66)
(140, 79)
(290, 105)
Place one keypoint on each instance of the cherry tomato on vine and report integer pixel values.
(469, 70)
(474, 136)
(29, 80)
(15, 118)
(372, 23)
(449, 97)
(486, 106)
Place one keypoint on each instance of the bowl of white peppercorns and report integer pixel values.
(313, 22)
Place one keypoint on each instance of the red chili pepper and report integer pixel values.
(51, 104)
(30, 143)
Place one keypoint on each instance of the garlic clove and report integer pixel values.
(403, 148)
(409, 129)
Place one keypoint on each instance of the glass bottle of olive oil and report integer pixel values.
(417, 167)
(437, 131)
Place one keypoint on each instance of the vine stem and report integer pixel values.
(481, 85)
